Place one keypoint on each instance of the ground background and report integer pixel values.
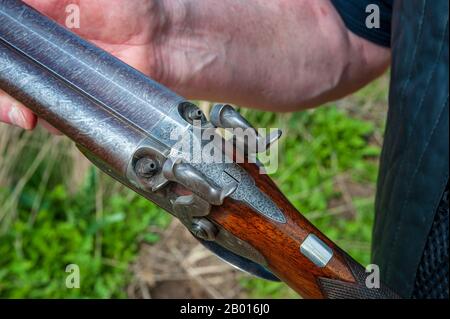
(56, 209)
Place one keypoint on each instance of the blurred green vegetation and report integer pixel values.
(327, 168)
(68, 230)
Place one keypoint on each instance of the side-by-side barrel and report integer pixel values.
(109, 138)
(115, 85)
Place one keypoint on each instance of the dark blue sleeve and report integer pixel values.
(354, 14)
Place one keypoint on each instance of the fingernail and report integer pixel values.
(16, 116)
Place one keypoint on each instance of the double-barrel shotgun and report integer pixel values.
(124, 122)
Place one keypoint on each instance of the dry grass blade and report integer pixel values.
(179, 267)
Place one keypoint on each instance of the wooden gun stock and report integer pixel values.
(281, 246)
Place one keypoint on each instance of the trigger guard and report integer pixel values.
(239, 262)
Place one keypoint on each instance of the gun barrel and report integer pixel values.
(114, 85)
(76, 115)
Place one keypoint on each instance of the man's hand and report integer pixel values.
(280, 55)
(122, 27)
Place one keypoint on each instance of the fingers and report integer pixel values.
(15, 113)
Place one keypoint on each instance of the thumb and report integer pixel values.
(15, 113)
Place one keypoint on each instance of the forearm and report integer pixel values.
(276, 55)
(280, 55)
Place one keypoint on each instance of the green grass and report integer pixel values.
(45, 226)
(69, 229)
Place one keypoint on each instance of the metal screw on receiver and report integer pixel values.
(146, 167)
(204, 229)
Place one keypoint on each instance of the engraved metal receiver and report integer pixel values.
(158, 173)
